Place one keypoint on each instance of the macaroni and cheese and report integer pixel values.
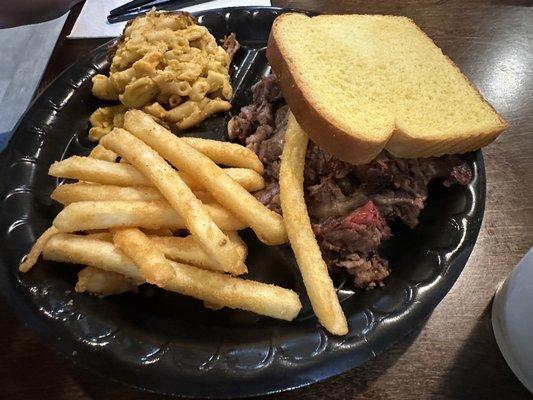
(167, 66)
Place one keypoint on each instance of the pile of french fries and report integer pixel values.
(139, 187)
(142, 184)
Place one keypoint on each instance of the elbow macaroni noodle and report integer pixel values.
(167, 66)
(104, 119)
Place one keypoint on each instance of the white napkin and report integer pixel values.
(92, 21)
(25, 52)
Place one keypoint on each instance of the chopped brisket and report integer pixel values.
(351, 242)
(359, 231)
(257, 119)
(368, 270)
(231, 45)
(460, 174)
(269, 196)
(349, 205)
(266, 90)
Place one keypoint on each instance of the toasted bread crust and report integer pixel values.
(319, 128)
(360, 149)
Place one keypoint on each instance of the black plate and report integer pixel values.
(168, 343)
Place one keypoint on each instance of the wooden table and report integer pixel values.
(454, 355)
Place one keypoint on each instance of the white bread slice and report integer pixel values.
(359, 84)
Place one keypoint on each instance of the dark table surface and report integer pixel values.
(454, 355)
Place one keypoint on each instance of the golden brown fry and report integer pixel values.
(82, 191)
(247, 178)
(227, 291)
(212, 287)
(101, 153)
(181, 249)
(103, 283)
(302, 239)
(267, 224)
(78, 249)
(241, 246)
(153, 266)
(36, 250)
(93, 170)
(226, 153)
(124, 174)
(88, 215)
(187, 250)
(197, 220)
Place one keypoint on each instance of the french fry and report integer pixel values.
(99, 171)
(247, 178)
(82, 191)
(301, 237)
(36, 250)
(226, 153)
(153, 266)
(212, 287)
(88, 215)
(123, 174)
(181, 249)
(101, 153)
(241, 246)
(196, 218)
(103, 283)
(78, 249)
(187, 250)
(267, 225)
